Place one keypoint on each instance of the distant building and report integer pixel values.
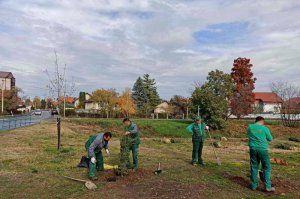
(69, 100)
(7, 81)
(268, 101)
(91, 105)
(87, 98)
(161, 108)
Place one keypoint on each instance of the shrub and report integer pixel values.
(284, 146)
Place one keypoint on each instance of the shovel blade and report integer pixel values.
(89, 185)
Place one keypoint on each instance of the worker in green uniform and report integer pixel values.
(197, 129)
(132, 131)
(259, 136)
(94, 145)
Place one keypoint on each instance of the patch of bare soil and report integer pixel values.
(144, 184)
(282, 186)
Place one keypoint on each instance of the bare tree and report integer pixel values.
(58, 85)
(287, 92)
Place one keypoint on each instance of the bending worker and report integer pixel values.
(94, 145)
(259, 135)
(197, 129)
(132, 130)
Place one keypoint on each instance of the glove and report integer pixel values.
(207, 128)
(127, 133)
(107, 151)
(93, 160)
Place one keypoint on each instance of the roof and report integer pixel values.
(267, 97)
(4, 74)
(69, 100)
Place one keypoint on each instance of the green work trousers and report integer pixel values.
(99, 166)
(135, 152)
(197, 151)
(257, 156)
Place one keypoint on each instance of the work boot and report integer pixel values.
(272, 189)
(94, 178)
(134, 169)
(202, 164)
(194, 164)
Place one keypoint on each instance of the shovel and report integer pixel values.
(217, 159)
(158, 170)
(88, 184)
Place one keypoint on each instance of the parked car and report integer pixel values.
(54, 112)
(38, 112)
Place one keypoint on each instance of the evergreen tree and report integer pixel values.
(81, 99)
(43, 104)
(151, 91)
(139, 94)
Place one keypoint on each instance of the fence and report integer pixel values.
(22, 121)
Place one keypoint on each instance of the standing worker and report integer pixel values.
(197, 129)
(132, 131)
(94, 145)
(259, 135)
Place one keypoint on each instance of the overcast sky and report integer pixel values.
(109, 43)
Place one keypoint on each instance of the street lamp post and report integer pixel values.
(2, 101)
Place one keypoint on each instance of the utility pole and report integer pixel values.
(187, 112)
(198, 111)
(2, 101)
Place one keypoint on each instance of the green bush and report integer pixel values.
(284, 146)
(294, 139)
(70, 112)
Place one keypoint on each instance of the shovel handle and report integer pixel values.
(211, 141)
(78, 180)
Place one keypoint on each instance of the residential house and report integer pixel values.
(69, 100)
(91, 105)
(269, 102)
(7, 81)
(87, 98)
(163, 108)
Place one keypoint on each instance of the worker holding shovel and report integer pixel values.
(197, 129)
(132, 131)
(94, 145)
(259, 136)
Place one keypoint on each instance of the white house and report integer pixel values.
(270, 102)
(91, 105)
(87, 98)
(161, 108)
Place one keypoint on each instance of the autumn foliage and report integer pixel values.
(243, 96)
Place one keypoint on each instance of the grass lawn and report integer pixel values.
(31, 167)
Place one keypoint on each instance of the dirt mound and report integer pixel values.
(144, 184)
(133, 176)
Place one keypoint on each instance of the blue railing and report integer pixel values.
(9, 123)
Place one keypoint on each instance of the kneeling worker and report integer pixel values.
(94, 145)
(259, 135)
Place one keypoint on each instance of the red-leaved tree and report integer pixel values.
(243, 96)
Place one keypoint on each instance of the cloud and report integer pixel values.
(109, 44)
